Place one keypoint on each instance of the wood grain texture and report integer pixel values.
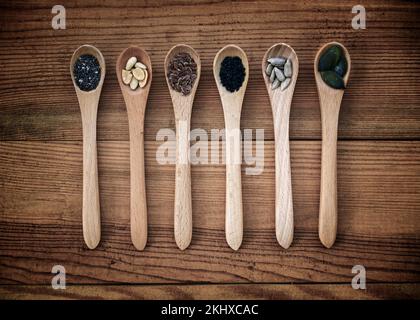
(375, 106)
(378, 179)
(216, 292)
(40, 219)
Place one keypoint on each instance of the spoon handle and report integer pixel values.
(328, 198)
(91, 207)
(284, 202)
(183, 203)
(234, 214)
(138, 201)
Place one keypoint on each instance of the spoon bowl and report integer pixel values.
(182, 105)
(136, 101)
(180, 48)
(226, 96)
(91, 50)
(322, 86)
(88, 102)
(330, 102)
(281, 101)
(141, 56)
(232, 106)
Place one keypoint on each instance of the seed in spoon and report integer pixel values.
(134, 84)
(130, 63)
(143, 83)
(275, 84)
(277, 61)
(182, 72)
(279, 74)
(269, 69)
(87, 72)
(272, 76)
(232, 73)
(140, 65)
(126, 76)
(285, 84)
(138, 73)
(288, 68)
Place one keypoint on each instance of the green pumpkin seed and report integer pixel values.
(330, 58)
(332, 79)
(341, 67)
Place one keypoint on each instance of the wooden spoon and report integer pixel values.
(88, 102)
(280, 104)
(135, 101)
(232, 106)
(330, 101)
(182, 109)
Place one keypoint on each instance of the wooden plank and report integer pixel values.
(40, 217)
(382, 101)
(216, 292)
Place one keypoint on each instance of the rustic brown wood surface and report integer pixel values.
(41, 155)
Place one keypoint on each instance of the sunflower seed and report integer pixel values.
(277, 61)
(288, 68)
(269, 69)
(275, 84)
(272, 76)
(285, 84)
(279, 74)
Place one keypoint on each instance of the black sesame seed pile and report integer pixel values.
(232, 73)
(87, 72)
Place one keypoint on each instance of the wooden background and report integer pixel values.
(41, 154)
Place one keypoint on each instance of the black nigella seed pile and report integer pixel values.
(87, 72)
(333, 67)
(232, 73)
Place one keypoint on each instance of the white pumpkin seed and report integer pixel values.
(134, 84)
(288, 68)
(138, 73)
(279, 74)
(140, 65)
(275, 84)
(285, 84)
(269, 69)
(130, 63)
(143, 83)
(277, 61)
(272, 76)
(126, 76)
